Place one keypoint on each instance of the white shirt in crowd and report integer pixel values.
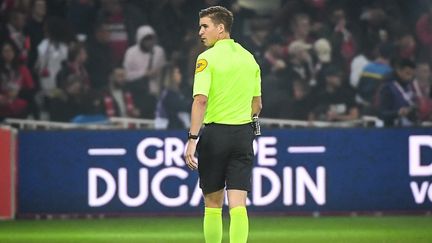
(49, 63)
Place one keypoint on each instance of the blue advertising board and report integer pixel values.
(296, 170)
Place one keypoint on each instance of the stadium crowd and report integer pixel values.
(327, 60)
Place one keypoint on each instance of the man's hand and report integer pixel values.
(331, 116)
(191, 161)
(404, 111)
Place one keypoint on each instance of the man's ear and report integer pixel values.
(221, 28)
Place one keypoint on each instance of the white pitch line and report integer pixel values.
(306, 149)
(106, 151)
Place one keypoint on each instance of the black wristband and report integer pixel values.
(191, 136)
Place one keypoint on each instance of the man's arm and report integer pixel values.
(199, 107)
(256, 105)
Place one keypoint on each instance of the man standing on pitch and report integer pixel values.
(227, 93)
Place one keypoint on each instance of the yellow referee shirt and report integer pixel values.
(230, 77)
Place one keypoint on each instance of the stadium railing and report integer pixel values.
(365, 121)
(126, 123)
(50, 125)
(135, 123)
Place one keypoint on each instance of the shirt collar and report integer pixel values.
(224, 41)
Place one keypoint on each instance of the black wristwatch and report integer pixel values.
(191, 136)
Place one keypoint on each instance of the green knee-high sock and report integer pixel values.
(213, 225)
(239, 225)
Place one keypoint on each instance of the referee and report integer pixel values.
(227, 93)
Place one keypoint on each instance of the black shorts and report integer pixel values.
(225, 157)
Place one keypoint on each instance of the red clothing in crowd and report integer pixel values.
(11, 84)
(112, 107)
(424, 32)
(118, 39)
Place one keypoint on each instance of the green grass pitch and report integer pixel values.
(189, 229)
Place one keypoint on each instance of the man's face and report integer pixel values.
(423, 72)
(147, 43)
(82, 56)
(102, 34)
(338, 15)
(303, 26)
(18, 21)
(119, 77)
(334, 80)
(40, 8)
(406, 74)
(8, 53)
(177, 75)
(208, 31)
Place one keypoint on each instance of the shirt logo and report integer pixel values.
(201, 65)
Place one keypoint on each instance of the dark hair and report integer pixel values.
(15, 62)
(58, 30)
(386, 50)
(167, 76)
(332, 70)
(219, 15)
(405, 63)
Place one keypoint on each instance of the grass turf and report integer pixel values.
(186, 229)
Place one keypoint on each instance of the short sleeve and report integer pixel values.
(257, 90)
(203, 77)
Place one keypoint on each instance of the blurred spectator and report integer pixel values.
(424, 32)
(301, 28)
(372, 77)
(277, 82)
(100, 61)
(35, 29)
(375, 26)
(323, 52)
(274, 57)
(423, 84)
(75, 64)
(423, 76)
(360, 61)
(315, 8)
(13, 30)
(300, 63)
(341, 37)
(256, 42)
(71, 101)
(172, 107)
(398, 97)
(143, 63)
(121, 21)
(406, 46)
(52, 51)
(116, 99)
(16, 84)
(301, 103)
(334, 102)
